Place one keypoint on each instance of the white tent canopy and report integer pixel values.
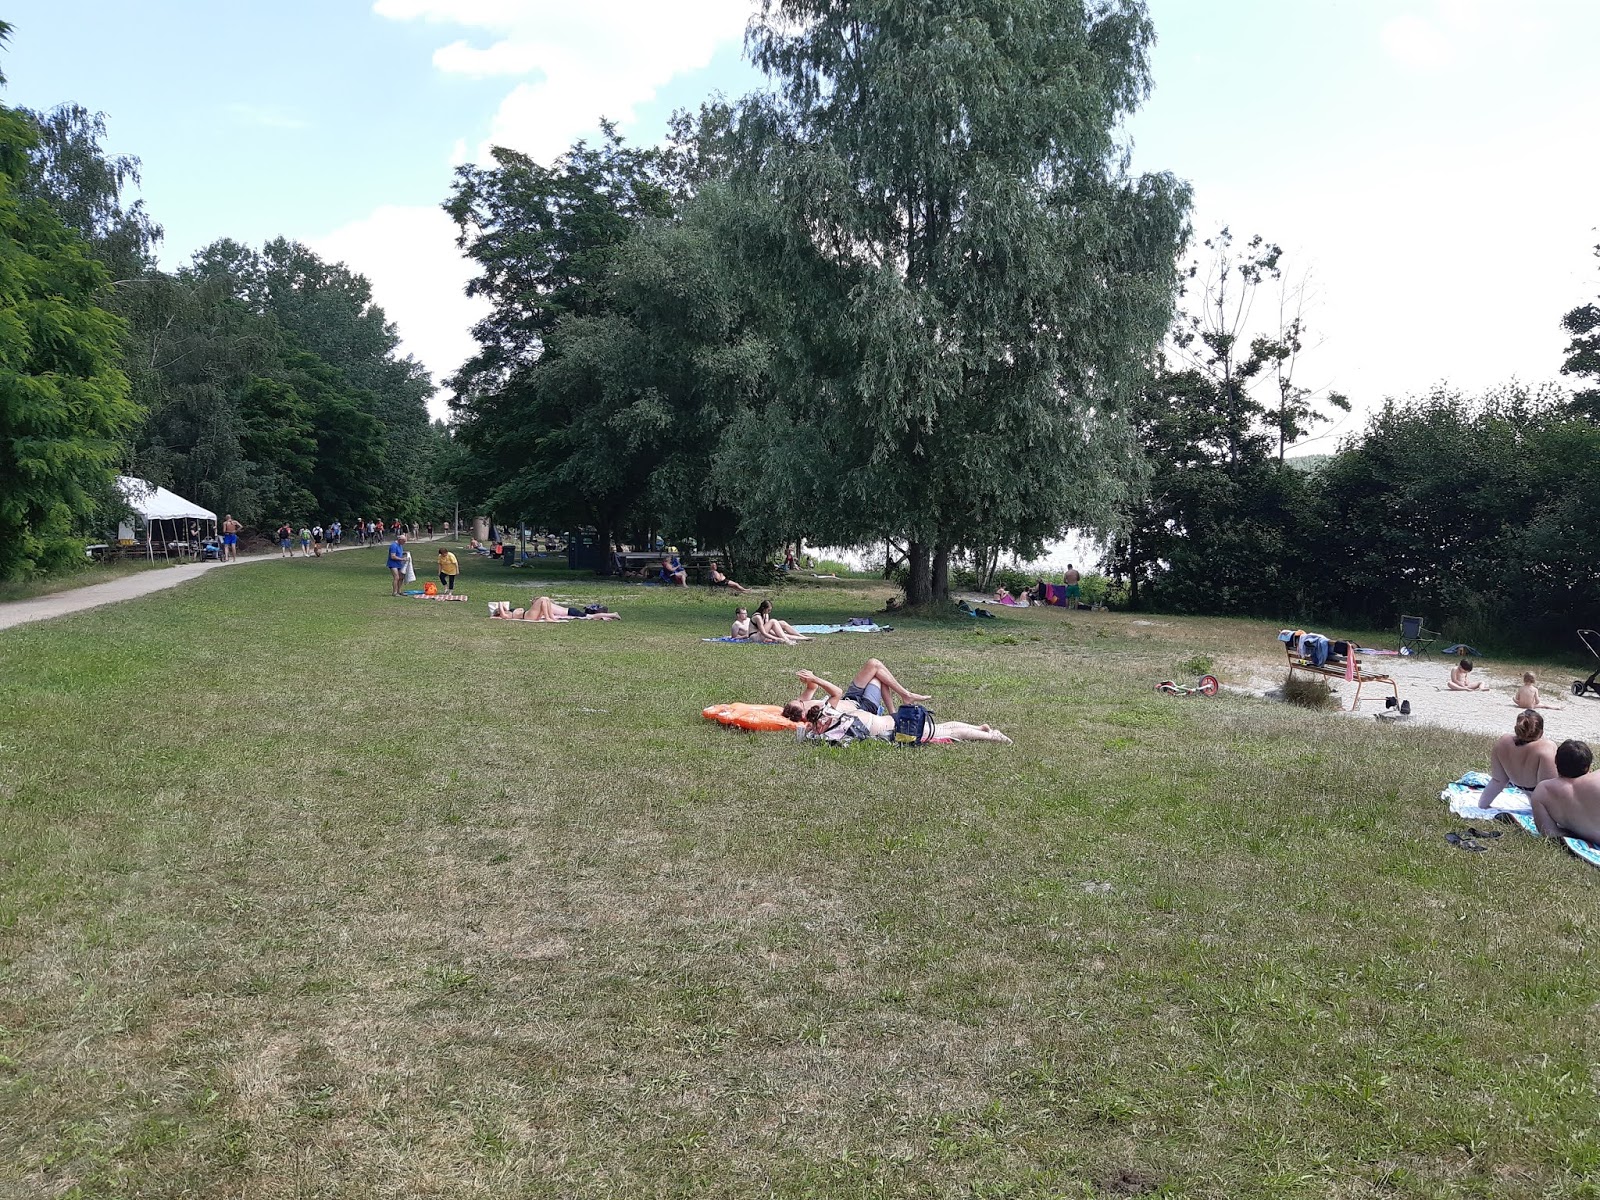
(157, 504)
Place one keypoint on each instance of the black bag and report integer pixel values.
(913, 725)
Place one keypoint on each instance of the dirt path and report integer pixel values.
(59, 604)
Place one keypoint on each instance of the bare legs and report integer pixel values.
(961, 731)
(874, 671)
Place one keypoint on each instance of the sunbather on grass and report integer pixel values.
(1524, 757)
(1568, 805)
(866, 691)
(825, 722)
(546, 609)
(770, 629)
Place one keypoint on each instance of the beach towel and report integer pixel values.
(1462, 796)
(1588, 851)
(741, 641)
(822, 630)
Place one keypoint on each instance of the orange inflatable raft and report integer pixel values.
(760, 718)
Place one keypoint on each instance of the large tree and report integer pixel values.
(999, 278)
(550, 406)
(1582, 324)
(64, 405)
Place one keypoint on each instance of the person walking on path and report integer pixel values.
(397, 562)
(230, 538)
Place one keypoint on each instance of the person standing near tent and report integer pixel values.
(397, 562)
(230, 538)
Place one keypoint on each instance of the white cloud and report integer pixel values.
(575, 63)
(266, 116)
(418, 277)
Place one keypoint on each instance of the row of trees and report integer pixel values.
(1480, 513)
(261, 382)
(907, 295)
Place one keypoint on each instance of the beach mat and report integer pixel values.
(822, 630)
(1462, 796)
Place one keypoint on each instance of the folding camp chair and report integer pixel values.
(1414, 638)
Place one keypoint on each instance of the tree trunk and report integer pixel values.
(919, 584)
(941, 573)
(602, 545)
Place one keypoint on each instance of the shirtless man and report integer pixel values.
(1524, 757)
(1459, 681)
(1073, 582)
(1569, 804)
(230, 539)
(865, 692)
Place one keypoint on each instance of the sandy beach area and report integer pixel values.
(1421, 680)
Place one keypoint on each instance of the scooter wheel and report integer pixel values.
(1208, 685)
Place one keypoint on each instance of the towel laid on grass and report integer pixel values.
(1462, 796)
(741, 641)
(1588, 851)
(818, 630)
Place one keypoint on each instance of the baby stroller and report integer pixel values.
(1591, 641)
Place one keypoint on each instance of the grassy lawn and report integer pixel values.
(307, 891)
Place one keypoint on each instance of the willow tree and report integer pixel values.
(999, 276)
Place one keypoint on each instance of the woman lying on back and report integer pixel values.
(546, 609)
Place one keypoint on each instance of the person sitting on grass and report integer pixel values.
(718, 579)
(1568, 805)
(742, 629)
(672, 572)
(1524, 757)
(770, 629)
(546, 609)
(866, 691)
(1459, 681)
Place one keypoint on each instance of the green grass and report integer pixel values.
(309, 891)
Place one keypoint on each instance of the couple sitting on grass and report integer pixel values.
(764, 627)
(546, 609)
(1565, 796)
(858, 712)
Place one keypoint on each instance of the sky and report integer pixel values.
(1429, 166)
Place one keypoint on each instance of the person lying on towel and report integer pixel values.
(546, 609)
(866, 691)
(1569, 804)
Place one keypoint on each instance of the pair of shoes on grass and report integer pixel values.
(1469, 840)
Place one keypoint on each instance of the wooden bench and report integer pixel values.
(1297, 663)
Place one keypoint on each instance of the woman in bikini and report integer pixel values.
(1524, 757)
(770, 629)
(546, 609)
(829, 724)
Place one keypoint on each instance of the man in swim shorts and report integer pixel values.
(1569, 804)
(230, 539)
(1072, 581)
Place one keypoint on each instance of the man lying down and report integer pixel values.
(546, 609)
(857, 713)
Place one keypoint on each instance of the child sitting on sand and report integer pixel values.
(1528, 694)
(1459, 681)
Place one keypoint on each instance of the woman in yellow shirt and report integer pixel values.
(448, 570)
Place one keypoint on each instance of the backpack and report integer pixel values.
(913, 725)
